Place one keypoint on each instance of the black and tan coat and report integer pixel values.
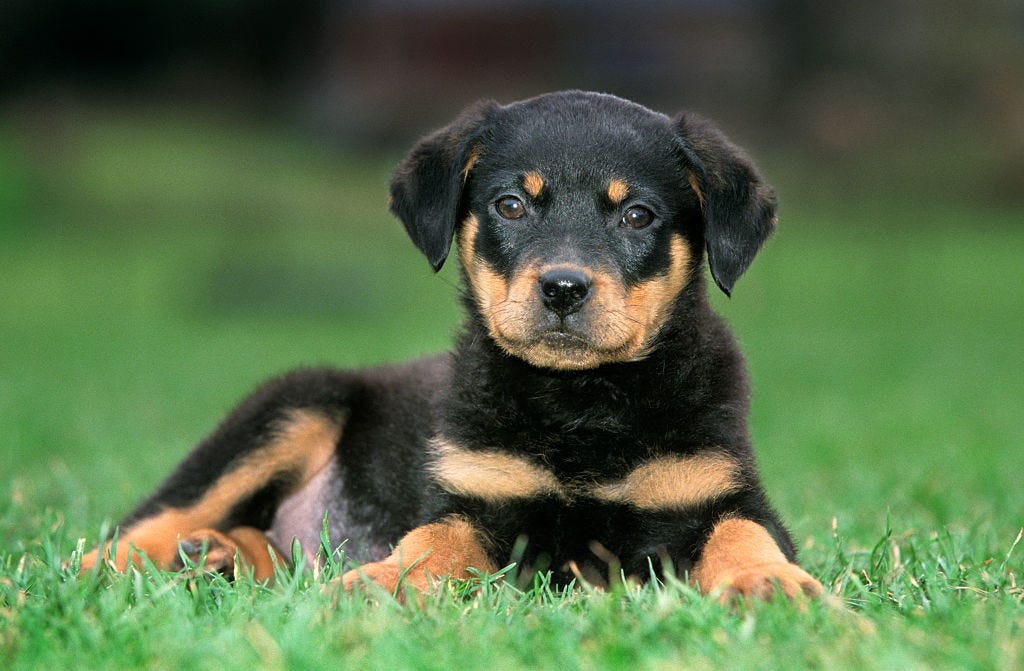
(592, 417)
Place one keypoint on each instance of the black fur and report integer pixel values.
(685, 393)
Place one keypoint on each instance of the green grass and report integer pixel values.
(154, 267)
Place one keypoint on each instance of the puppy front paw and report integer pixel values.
(762, 581)
(424, 557)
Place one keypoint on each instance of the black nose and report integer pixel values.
(564, 290)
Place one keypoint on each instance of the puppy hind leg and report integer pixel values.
(235, 478)
(231, 553)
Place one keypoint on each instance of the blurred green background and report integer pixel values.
(193, 197)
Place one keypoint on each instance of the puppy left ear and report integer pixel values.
(426, 189)
(738, 207)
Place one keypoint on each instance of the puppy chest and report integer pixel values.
(668, 482)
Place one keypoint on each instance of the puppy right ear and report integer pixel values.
(426, 189)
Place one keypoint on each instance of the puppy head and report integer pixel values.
(580, 219)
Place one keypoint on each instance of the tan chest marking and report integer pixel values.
(490, 475)
(660, 484)
(673, 482)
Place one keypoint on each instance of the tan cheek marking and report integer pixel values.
(512, 321)
(691, 177)
(617, 191)
(673, 482)
(502, 305)
(491, 476)
(533, 183)
(467, 238)
(445, 548)
(491, 291)
(679, 272)
(488, 287)
(302, 446)
(649, 304)
(522, 290)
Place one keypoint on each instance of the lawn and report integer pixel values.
(155, 266)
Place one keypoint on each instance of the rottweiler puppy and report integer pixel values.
(591, 420)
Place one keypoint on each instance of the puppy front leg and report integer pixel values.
(424, 555)
(741, 558)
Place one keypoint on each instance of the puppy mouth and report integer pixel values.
(564, 349)
(566, 338)
(598, 332)
(561, 338)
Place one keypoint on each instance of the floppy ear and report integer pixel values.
(738, 207)
(426, 189)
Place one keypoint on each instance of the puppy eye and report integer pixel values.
(637, 217)
(510, 207)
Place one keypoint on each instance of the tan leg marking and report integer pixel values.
(533, 183)
(156, 537)
(673, 482)
(491, 476)
(425, 554)
(742, 559)
(617, 191)
(303, 445)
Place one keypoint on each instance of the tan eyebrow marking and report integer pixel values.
(673, 482)
(617, 191)
(533, 183)
(490, 475)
